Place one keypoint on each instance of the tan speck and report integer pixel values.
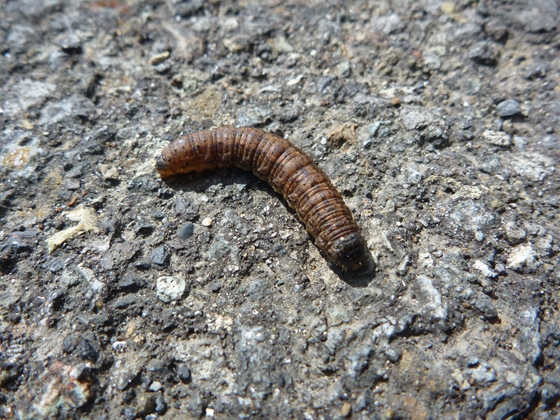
(159, 58)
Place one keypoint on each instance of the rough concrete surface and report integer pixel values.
(125, 296)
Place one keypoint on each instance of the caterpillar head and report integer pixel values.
(348, 251)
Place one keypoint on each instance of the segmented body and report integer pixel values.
(289, 170)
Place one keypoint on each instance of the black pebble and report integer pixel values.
(185, 231)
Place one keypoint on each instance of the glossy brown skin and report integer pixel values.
(289, 170)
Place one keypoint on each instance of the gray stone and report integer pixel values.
(415, 119)
(19, 38)
(184, 209)
(472, 361)
(144, 229)
(536, 70)
(222, 248)
(497, 30)
(161, 405)
(184, 373)
(185, 9)
(160, 256)
(392, 355)
(485, 305)
(70, 278)
(515, 234)
(126, 301)
(508, 108)
(55, 265)
(72, 184)
(492, 165)
(387, 24)
(372, 128)
(71, 44)
(145, 404)
(344, 69)
(335, 338)
(472, 216)
(484, 53)
(497, 138)
(550, 391)
(158, 215)
(364, 401)
(538, 15)
(185, 231)
(124, 377)
(131, 283)
(482, 373)
(529, 336)
(467, 31)
(431, 61)
(288, 115)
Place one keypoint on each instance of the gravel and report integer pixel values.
(508, 108)
(202, 295)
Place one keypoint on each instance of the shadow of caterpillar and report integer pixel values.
(289, 170)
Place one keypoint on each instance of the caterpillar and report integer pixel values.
(288, 169)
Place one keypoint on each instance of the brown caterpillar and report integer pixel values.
(289, 170)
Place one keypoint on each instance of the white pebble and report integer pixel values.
(207, 222)
(522, 255)
(119, 346)
(155, 386)
(484, 269)
(170, 288)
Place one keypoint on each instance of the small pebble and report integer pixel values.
(447, 7)
(500, 268)
(207, 221)
(515, 234)
(392, 355)
(472, 361)
(388, 414)
(145, 404)
(282, 46)
(159, 58)
(170, 288)
(507, 108)
(159, 215)
(497, 138)
(155, 386)
(184, 373)
(177, 81)
(344, 69)
(185, 231)
(160, 256)
(346, 409)
(161, 405)
(72, 184)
